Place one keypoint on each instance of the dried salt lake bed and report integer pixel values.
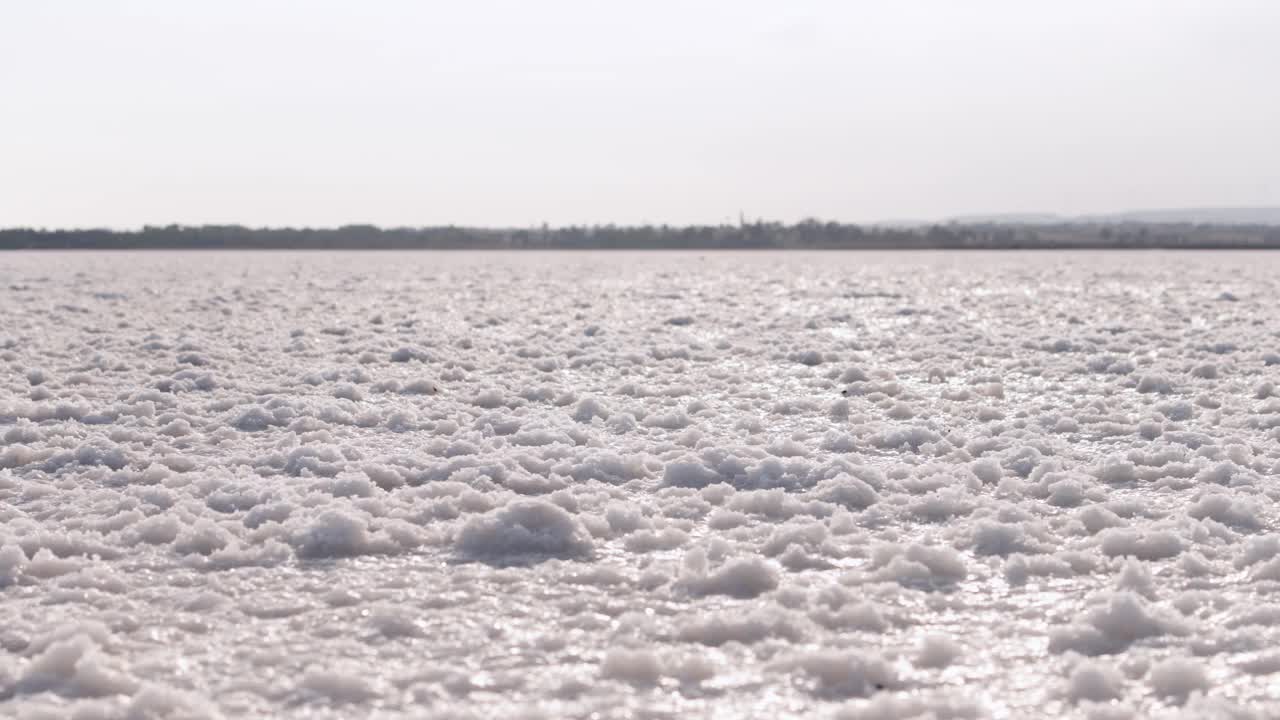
(454, 485)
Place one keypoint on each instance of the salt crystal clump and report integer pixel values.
(335, 533)
(744, 577)
(74, 667)
(12, 563)
(637, 667)
(937, 651)
(841, 674)
(1112, 627)
(337, 686)
(746, 628)
(1095, 682)
(902, 706)
(524, 527)
(917, 565)
(1177, 677)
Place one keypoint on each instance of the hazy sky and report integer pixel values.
(513, 113)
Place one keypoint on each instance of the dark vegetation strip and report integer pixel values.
(809, 235)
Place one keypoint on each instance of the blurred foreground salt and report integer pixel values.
(860, 485)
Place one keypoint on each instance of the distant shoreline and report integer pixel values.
(810, 235)
(715, 250)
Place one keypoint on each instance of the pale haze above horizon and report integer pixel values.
(488, 113)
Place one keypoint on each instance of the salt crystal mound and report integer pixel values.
(845, 485)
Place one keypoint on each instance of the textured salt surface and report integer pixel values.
(639, 485)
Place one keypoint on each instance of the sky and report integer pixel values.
(317, 113)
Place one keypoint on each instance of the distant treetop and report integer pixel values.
(805, 235)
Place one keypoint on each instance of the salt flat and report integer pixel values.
(850, 485)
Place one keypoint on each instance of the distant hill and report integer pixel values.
(1190, 216)
(1197, 216)
(1010, 219)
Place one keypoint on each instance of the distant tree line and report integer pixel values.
(806, 235)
